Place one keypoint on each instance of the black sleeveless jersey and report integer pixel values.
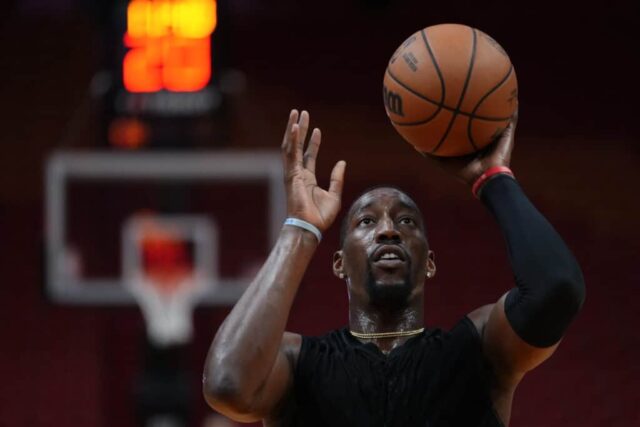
(435, 379)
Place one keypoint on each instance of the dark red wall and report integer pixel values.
(576, 156)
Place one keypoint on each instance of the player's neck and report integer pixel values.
(371, 319)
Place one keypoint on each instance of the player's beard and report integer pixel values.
(389, 296)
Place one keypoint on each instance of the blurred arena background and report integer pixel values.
(87, 158)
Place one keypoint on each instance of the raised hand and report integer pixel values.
(469, 168)
(305, 199)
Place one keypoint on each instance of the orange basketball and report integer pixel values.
(450, 90)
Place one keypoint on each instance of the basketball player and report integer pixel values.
(386, 368)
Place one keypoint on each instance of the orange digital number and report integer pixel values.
(170, 45)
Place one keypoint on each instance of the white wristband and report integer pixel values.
(305, 225)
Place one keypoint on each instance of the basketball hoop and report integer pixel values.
(168, 265)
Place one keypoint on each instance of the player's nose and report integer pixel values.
(386, 231)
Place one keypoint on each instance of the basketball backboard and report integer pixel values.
(92, 200)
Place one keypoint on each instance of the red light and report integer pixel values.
(129, 133)
(166, 259)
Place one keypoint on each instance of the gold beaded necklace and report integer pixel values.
(375, 335)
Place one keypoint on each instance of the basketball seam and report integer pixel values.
(464, 91)
(439, 105)
(419, 122)
(496, 87)
(443, 87)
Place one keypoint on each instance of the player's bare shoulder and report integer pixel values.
(502, 389)
(480, 316)
(290, 347)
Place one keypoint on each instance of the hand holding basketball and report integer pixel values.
(305, 199)
(469, 168)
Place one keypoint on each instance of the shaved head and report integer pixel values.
(357, 205)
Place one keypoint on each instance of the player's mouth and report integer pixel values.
(389, 257)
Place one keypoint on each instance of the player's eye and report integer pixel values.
(407, 220)
(367, 220)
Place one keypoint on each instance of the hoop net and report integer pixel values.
(161, 271)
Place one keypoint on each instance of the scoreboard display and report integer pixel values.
(169, 45)
(165, 93)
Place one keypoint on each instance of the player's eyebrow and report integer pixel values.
(403, 204)
(363, 207)
(410, 206)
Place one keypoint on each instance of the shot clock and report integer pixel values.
(169, 45)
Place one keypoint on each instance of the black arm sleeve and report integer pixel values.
(549, 284)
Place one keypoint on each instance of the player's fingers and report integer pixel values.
(505, 144)
(286, 141)
(290, 148)
(337, 178)
(514, 118)
(511, 127)
(311, 154)
(303, 123)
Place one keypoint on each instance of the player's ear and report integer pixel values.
(338, 265)
(430, 269)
